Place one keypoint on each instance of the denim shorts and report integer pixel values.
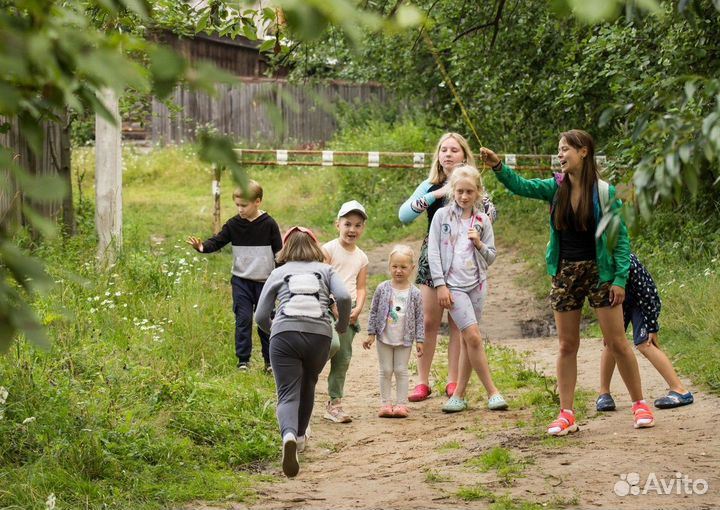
(576, 281)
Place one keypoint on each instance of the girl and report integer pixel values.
(582, 266)
(452, 150)
(461, 246)
(396, 316)
(301, 332)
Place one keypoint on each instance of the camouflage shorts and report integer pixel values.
(423, 274)
(574, 282)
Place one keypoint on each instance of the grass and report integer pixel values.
(138, 403)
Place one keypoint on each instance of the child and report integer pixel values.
(642, 308)
(351, 264)
(301, 333)
(461, 246)
(255, 239)
(396, 315)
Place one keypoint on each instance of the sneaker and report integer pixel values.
(290, 464)
(419, 393)
(334, 412)
(302, 440)
(454, 405)
(386, 412)
(450, 388)
(497, 403)
(674, 399)
(564, 424)
(400, 412)
(242, 366)
(605, 402)
(268, 369)
(643, 415)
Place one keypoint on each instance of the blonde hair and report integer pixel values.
(470, 173)
(437, 173)
(402, 249)
(253, 192)
(299, 247)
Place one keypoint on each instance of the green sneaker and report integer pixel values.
(454, 405)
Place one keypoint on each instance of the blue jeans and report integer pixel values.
(246, 294)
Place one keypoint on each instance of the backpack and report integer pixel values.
(304, 299)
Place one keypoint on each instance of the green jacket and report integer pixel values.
(613, 266)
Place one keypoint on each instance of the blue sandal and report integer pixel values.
(674, 399)
(605, 402)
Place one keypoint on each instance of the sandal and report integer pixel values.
(674, 399)
(497, 403)
(454, 405)
(564, 424)
(400, 412)
(386, 412)
(419, 393)
(643, 415)
(605, 402)
(450, 388)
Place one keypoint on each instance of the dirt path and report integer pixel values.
(380, 463)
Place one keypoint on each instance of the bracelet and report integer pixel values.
(497, 166)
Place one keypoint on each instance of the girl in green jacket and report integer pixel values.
(582, 266)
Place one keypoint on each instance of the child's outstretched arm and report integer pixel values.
(343, 301)
(195, 242)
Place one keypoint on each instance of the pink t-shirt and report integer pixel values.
(348, 264)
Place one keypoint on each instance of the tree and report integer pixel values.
(58, 55)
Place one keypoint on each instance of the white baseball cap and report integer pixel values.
(352, 206)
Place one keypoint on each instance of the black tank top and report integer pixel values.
(577, 245)
(438, 204)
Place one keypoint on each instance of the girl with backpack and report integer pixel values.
(301, 332)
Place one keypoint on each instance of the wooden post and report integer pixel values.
(108, 181)
(216, 199)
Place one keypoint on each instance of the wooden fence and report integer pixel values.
(267, 111)
(54, 159)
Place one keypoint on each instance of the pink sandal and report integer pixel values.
(419, 393)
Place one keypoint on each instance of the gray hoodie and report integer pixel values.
(302, 291)
(444, 231)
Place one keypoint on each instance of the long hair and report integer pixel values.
(577, 139)
(437, 174)
(301, 247)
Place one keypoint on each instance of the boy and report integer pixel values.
(642, 308)
(255, 239)
(351, 264)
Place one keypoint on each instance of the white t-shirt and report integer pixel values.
(348, 264)
(463, 272)
(395, 327)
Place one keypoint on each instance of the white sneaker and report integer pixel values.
(302, 440)
(334, 412)
(290, 464)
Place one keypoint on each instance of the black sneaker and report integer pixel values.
(242, 365)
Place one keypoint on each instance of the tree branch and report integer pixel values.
(500, 5)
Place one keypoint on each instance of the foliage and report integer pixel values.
(532, 70)
(57, 56)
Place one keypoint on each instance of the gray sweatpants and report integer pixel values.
(297, 359)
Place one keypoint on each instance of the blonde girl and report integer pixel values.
(452, 150)
(396, 321)
(461, 247)
(301, 332)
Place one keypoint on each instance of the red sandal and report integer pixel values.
(564, 424)
(419, 393)
(643, 415)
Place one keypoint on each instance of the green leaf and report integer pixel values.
(25, 320)
(408, 16)
(167, 69)
(27, 271)
(46, 227)
(43, 188)
(32, 131)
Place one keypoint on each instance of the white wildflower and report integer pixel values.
(28, 420)
(3, 394)
(50, 502)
